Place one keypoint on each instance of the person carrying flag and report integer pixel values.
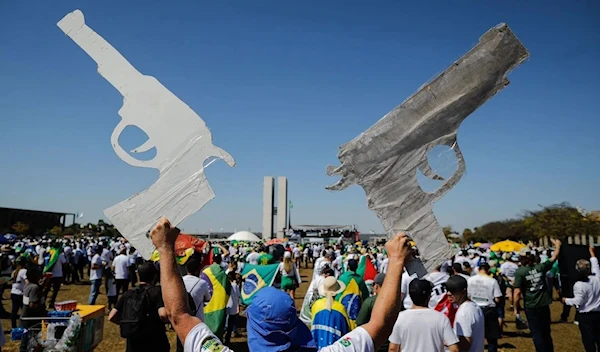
(355, 292)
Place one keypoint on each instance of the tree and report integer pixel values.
(20, 228)
(560, 221)
(56, 231)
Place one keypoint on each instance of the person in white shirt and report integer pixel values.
(233, 307)
(421, 328)
(508, 269)
(197, 336)
(469, 323)
(96, 269)
(438, 279)
(485, 292)
(384, 265)
(121, 269)
(586, 297)
(19, 277)
(195, 286)
(56, 280)
(252, 258)
(406, 279)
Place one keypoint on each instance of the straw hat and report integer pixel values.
(331, 287)
(6, 248)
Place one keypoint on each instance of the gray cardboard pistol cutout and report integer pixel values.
(182, 141)
(384, 159)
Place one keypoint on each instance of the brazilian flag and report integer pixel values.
(51, 257)
(353, 295)
(220, 290)
(255, 278)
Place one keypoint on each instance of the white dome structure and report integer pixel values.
(244, 236)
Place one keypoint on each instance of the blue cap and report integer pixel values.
(273, 324)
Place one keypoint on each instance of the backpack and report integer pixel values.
(135, 311)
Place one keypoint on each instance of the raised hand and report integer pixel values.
(163, 235)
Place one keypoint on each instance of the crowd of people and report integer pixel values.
(459, 306)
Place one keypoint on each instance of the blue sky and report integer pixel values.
(281, 84)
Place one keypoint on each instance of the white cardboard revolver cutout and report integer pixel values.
(385, 158)
(181, 138)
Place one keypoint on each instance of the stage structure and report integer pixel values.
(270, 210)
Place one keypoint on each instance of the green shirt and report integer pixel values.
(532, 282)
(365, 315)
(265, 259)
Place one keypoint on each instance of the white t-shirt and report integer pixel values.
(198, 289)
(419, 330)
(438, 279)
(201, 339)
(107, 256)
(469, 322)
(96, 274)
(57, 268)
(121, 263)
(253, 258)
(509, 269)
(19, 285)
(482, 290)
(233, 305)
(406, 279)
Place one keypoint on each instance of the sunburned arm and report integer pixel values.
(174, 295)
(388, 299)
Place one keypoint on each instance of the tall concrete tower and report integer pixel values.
(282, 205)
(268, 200)
(269, 210)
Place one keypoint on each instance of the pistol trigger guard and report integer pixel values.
(428, 171)
(146, 146)
(121, 153)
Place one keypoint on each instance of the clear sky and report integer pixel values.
(281, 85)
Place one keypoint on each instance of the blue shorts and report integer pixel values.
(500, 312)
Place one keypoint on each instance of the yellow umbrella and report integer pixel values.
(507, 246)
(477, 244)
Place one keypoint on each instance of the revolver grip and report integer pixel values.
(121, 153)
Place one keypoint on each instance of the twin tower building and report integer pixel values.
(270, 210)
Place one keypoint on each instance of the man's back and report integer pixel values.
(198, 289)
(483, 290)
(153, 336)
(470, 322)
(419, 330)
(532, 282)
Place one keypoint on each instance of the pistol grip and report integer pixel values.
(121, 153)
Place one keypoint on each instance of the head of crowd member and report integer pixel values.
(329, 255)
(327, 271)
(525, 257)
(378, 282)
(419, 291)
(484, 269)
(584, 269)
(34, 275)
(217, 259)
(274, 325)
(467, 269)
(458, 269)
(352, 265)
(193, 266)
(147, 273)
(456, 287)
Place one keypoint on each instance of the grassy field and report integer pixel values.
(566, 336)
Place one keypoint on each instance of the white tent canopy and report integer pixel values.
(244, 236)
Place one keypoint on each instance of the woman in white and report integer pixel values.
(16, 292)
(290, 277)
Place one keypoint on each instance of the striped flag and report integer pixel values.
(220, 290)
